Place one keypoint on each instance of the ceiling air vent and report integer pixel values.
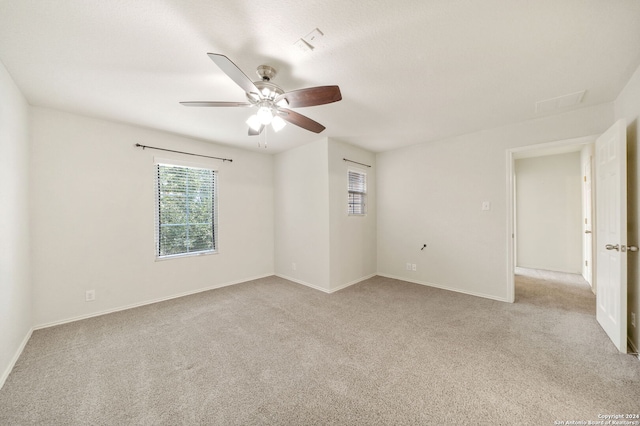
(564, 101)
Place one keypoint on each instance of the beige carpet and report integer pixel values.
(380, 352)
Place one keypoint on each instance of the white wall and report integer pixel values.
(549, 211)
(432, 193)
(330, 249)
(15, 284)
(93, 217)
(353, 250)
(302, 216)
(627, 106)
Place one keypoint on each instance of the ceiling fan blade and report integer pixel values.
(312, 96)
(256, 132)
(300, 120)
(216, 104)
(234, 72)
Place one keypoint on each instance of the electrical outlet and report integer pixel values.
(633, 319)
(413, 267)
(408, 266)
(294, 266)
(90, 295)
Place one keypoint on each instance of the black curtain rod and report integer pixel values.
(182, 152)
(351, 161)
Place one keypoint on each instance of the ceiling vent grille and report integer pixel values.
(559, 102)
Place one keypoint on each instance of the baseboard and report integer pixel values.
(457, 290)
(349, 284)
(322, 289)
(633, 348)
(304, 283)
(12, 364)
(148, 302)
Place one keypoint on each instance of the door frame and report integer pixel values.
(548, 148)
(588, 214)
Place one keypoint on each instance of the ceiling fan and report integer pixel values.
(272, 102)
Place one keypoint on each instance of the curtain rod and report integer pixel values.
(351, 161)
(182, 152)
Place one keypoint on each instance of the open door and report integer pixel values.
(611, 236)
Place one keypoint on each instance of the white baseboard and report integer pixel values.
(442, 287)
(349, 284)
(322, 289)
(148, 302)
(12, 364)
(633, 348)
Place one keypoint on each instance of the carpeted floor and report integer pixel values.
(379, 352)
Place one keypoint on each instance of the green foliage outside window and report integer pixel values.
(186, 210)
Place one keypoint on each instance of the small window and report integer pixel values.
(357, 193)
(186, 211)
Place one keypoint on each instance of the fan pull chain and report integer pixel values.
(264, 138)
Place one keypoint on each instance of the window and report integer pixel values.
(186, 210)
(357, 193)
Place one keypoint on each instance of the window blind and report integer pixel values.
(357, 192)
(185, 210)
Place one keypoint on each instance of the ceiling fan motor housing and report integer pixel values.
(265, 72)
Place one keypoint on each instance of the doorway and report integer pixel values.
(548, 231)
(540, 150)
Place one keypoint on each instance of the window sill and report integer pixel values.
(183, 255)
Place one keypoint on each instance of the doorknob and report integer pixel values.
(632, 248)
(612, 247)
(587, 232)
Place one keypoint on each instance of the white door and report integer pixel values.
(611, 236)
(587, 228)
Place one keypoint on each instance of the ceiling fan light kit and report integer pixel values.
(272, 102)
(254, 123)
(264, 114)
(278, 123)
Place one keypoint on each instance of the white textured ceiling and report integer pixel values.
(409, 71)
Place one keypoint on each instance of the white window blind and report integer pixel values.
(186, 210)
(357, 192)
